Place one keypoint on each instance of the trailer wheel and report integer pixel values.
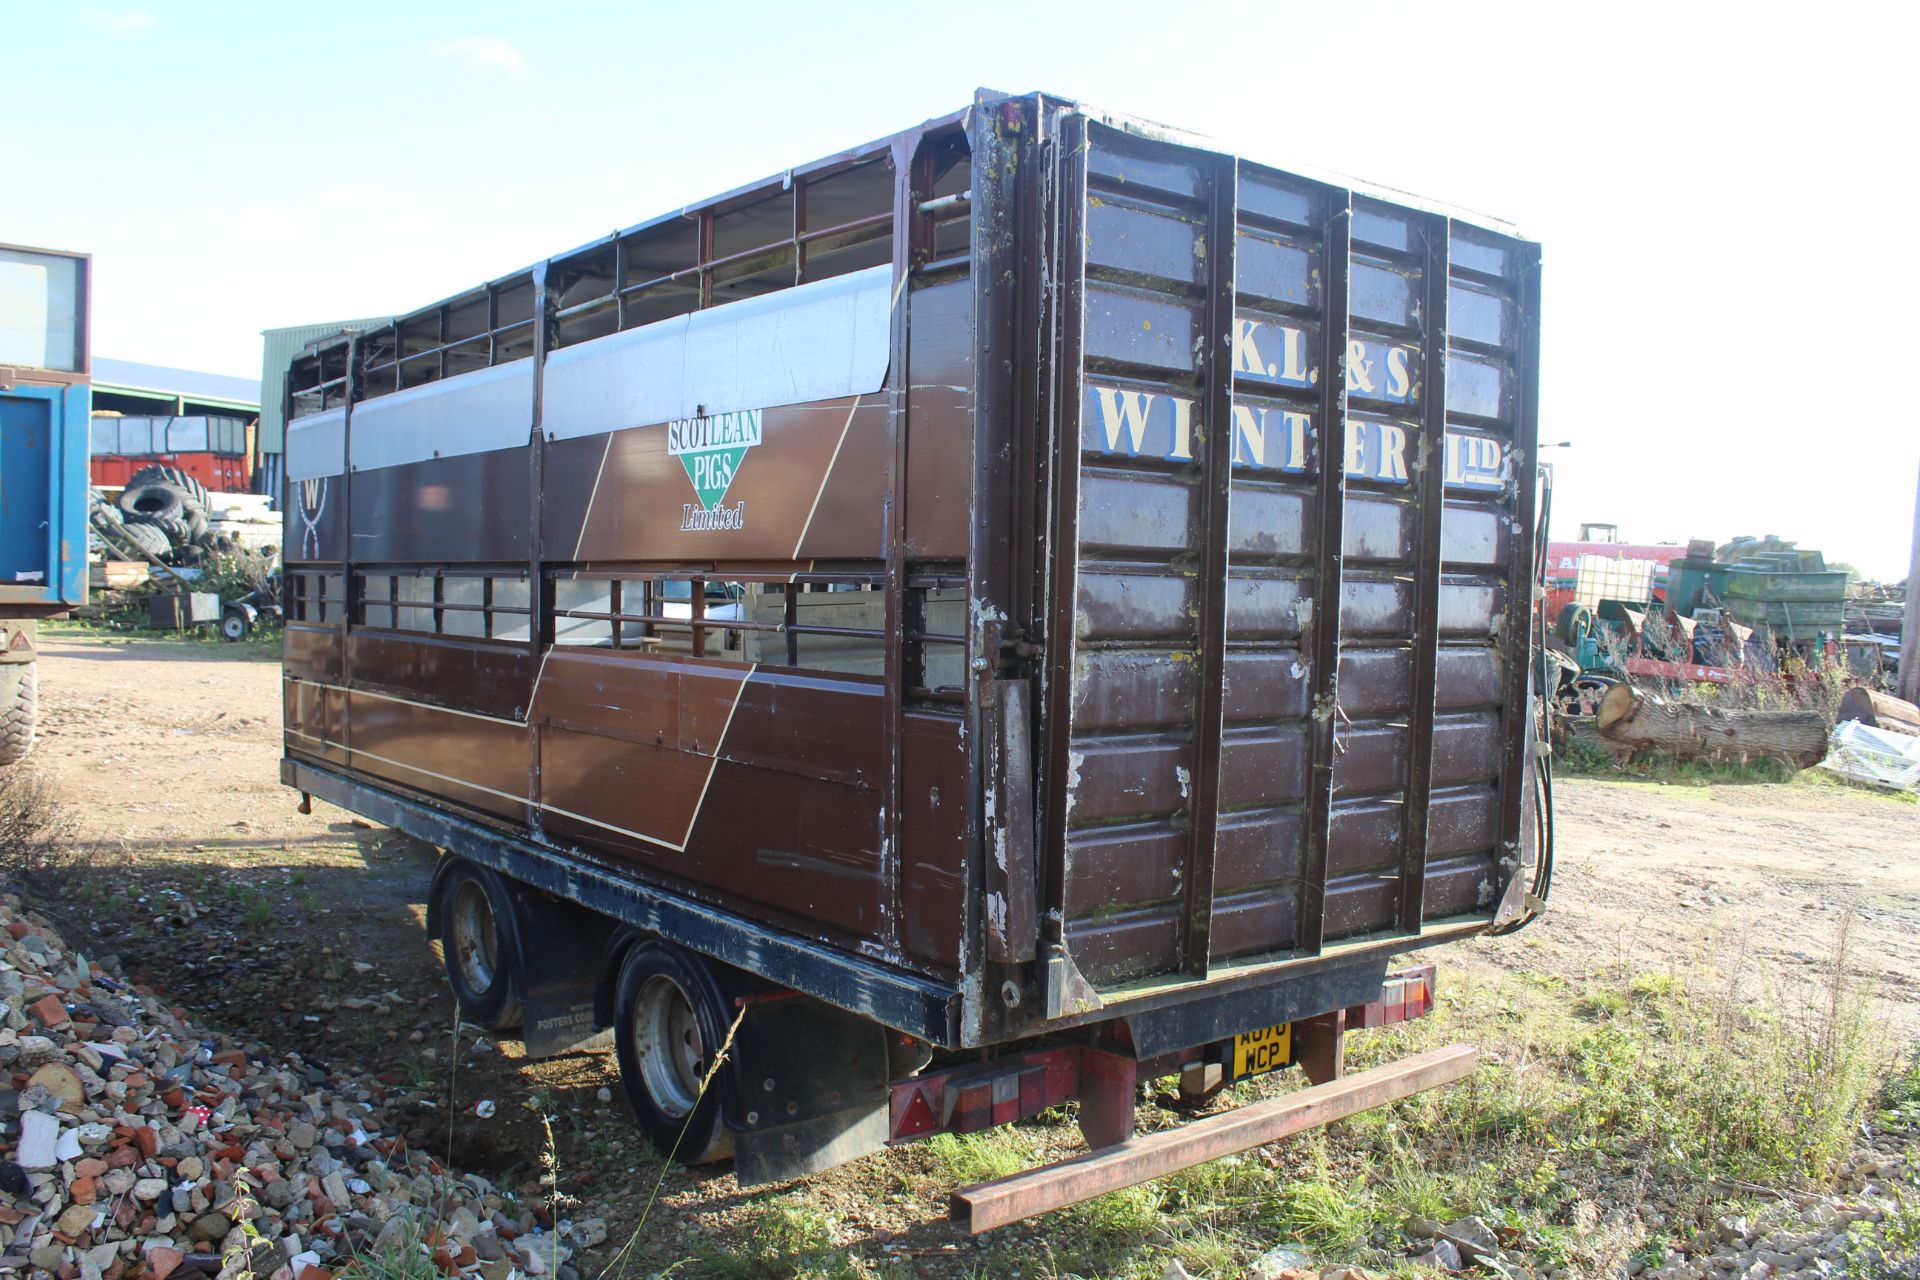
(19, 708)
(669, 1021)
(478, 949)
(234, 624)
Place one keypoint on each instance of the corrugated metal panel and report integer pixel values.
(110, 374)
(1299, 518)
(281, 346)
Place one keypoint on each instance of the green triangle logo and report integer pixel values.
(711, 450)
(712, 472)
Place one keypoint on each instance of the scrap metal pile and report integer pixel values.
(134, 1144)
(1723, 654)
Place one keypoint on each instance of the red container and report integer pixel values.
(219, 473)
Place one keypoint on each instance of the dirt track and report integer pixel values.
(306, 931)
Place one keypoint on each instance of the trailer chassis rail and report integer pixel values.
(890, 996)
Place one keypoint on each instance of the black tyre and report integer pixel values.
(153, 502)
(234, 625)
(145, 538)
(174, 477)
(475, 938)
(101, 513)
(1574, 624)
(670, 1018)
(19, 709)
(1588, 692)
(176, 530)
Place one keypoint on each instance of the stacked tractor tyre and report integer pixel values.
(19, 698)
(161, 515)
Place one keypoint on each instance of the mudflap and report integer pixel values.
(560, 946)
(812, 1089)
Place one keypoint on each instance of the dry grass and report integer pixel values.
(33, 824)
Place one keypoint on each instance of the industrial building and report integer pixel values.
(279, 347)
(202, 423)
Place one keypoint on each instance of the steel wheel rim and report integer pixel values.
(668, 1046)
(475, 941)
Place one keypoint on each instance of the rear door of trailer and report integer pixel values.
(1292, 501)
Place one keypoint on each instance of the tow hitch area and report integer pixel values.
(1022, 1195)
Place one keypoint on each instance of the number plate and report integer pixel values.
(1267, 1049)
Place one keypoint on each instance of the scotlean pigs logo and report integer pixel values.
(712, 449)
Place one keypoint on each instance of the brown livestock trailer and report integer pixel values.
(1024, 606)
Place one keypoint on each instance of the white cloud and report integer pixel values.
(132, 22)
(484, 52)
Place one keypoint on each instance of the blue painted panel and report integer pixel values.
(43, 497)
(26, 440)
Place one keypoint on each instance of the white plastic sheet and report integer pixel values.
(1877, 756)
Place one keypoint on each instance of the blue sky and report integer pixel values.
(1724, 205)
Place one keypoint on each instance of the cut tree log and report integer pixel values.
(1636, 719)
(1581, 730)
(1880, 710)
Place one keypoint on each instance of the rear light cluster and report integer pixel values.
(1404, 996)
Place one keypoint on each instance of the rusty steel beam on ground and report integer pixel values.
(1022, 1195)
(1909, 678)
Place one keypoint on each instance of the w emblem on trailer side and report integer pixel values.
(313, 503)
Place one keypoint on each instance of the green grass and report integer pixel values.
(1832, 781)
(124, 628)
(1672, 1081)
(1891, 1249)
(1899, 1103)
(967, 1158)
(1582, 760)
(787, 1238)
(1592, 1094)
(401, 1257)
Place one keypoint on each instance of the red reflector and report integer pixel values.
(916, 1118)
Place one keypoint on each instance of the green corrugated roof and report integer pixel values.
(278, 350)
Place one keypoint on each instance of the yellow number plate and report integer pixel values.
(1267, 1049)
